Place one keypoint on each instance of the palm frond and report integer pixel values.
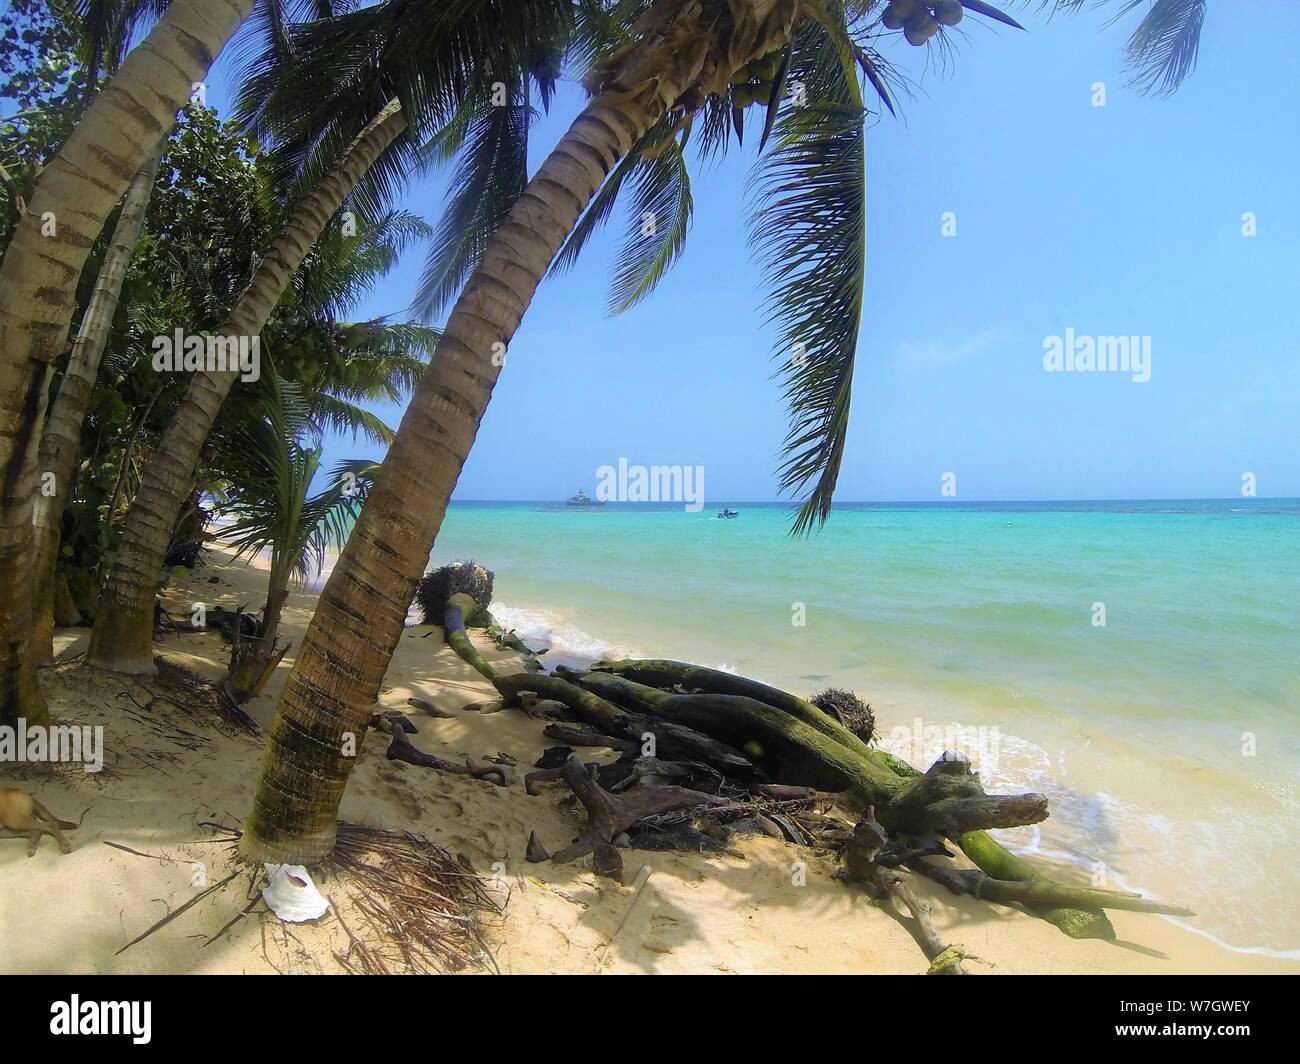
(1162, 50)
(602, 204)
(269, 473)
(808, 230)
(330, 412)
(339, 270)
(492, 173)
(658, 221)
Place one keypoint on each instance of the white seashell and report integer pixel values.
(291, 894)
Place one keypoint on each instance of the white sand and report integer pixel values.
(733, 912)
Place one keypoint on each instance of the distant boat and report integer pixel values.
(582, 499)
(727, 515)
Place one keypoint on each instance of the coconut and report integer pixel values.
(762, 92)
(742, 95)
(891, 19)
(905, 8)
(948, 12)
(765, 69)
(920, 28)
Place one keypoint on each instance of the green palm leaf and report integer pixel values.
(659, 219)
(808, 230)
(492, 172)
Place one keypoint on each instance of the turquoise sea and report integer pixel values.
(1168, 737)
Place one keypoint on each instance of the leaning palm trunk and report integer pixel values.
(252, 662)
(38, 281)
(122, 639)
(324, 710)
(62, 437)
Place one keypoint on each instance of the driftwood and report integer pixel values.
(460, 607)
(402, 749)
(862, 864)
(671, 740)
(798, 745)
(425, 706)
(1039, 893)
(1000, 863)
(577, 735)
(389, 719)
(948, 798)
(610, 815)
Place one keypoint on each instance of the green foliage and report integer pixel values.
(43, 92)
(212, 214)
(271, 470)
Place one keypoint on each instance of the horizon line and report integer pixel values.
(942, 502)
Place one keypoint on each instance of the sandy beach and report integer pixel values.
(172, 780)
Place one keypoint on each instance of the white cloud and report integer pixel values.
(933, 353)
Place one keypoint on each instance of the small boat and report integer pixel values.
(582, 499)
(727, 515)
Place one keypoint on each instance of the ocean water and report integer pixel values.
(1167, 737)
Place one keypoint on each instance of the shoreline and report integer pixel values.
(734, 911)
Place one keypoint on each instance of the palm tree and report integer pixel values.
(62, 436)
(72, 200)
(683, 51)
(270, 469)
(678, 63)
(123, 634)
(108, 27)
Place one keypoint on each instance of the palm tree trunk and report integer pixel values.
(124, 469)
(277, 592)
(38, 281)
(325, 707)
(122, 639)
(61, 440)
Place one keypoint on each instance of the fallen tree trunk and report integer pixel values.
(672, 740)
(1039, 892)
(459, 607)
(719, 718)
(947, 799)
(654, 672)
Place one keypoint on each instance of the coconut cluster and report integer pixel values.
(754, 83)
(920, 21)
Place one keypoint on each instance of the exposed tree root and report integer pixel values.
(862, 862)
(402, 749)
(610, 815)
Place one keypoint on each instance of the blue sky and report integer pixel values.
(1119, 220)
